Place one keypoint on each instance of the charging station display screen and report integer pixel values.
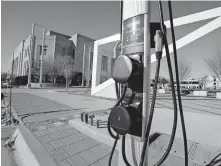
(133, 31)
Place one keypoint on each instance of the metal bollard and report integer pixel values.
(82, 117)
(98, 125)
(92, 119)
(86, 117)
(101, 124)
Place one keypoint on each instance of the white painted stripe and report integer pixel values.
(94, 71)
(211, 13)
(204, 15)
(94, 67)
(109, 39)
(102, 86)
(211, 26)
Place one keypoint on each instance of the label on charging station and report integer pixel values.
(133, 35)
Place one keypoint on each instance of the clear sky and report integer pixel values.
(98, 20)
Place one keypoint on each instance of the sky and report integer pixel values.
(99, 20)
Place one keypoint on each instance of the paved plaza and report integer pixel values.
(46, 114)
(68, 146)
(65, 144)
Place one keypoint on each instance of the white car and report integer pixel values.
(5, 84)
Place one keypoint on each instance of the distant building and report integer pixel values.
(189, 83)
(56, 44)
(212, 82)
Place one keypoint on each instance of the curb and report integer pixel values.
(29, 151)
(14, 114)
(100, 135)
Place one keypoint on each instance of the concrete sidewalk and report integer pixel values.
(77, 101)
(69, 147)
(65, 144)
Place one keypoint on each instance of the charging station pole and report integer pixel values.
(146, 76)
(137, 13)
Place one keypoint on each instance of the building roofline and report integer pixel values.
(82, 35)
(58, 34)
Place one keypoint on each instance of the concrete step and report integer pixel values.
(29, 151)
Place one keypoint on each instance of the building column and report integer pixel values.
(19, 61)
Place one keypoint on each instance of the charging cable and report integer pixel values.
(178, 85)
(158, 53)
(172, 87)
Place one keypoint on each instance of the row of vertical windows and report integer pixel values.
(104, 63)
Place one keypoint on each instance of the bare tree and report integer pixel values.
(214, 64)
(53, 68)
(68, 68)
(184, 70)
(3, 76)
(163, 81)
(203, 81)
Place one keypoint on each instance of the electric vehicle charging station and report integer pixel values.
(131, 69)
(106, 89)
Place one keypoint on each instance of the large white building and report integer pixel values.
(56, 44)
(212, 82)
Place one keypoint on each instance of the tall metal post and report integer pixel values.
(89, 65)
(31, 55)
(11, 87)
(141, 10)
(146, 76)
(42, 54)
(82, 84)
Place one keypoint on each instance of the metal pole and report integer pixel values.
(82, 84)
(30, 55)
(146, 76)
(10, 111)
(89, 65)
(134, 145)
(42, 54)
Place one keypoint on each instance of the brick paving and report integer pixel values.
(69, 147)
(65, 144)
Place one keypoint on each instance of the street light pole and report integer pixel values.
(31, 55)
(42, 54)
(82, 84)
(11, 88)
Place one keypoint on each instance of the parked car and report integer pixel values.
(185, 91)
(4, 85)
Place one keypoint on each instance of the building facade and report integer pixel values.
(83, 54)
(106, 61)
(212, 82)
(79, 47)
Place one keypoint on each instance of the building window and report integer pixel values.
(104, 63)
(91, 60)
(28, 51)
(45, 49)
(25, 52)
